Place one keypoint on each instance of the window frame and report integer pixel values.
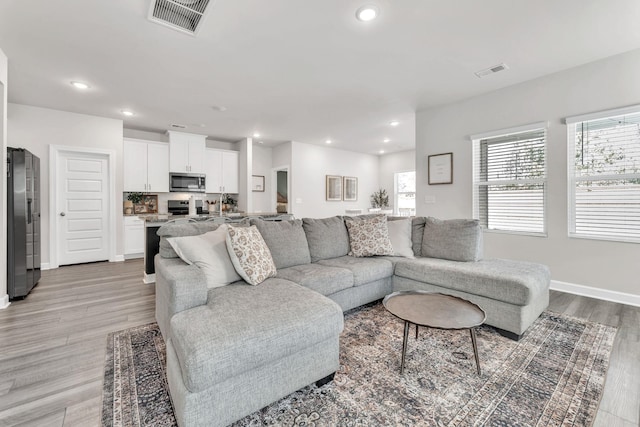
(476, 140)
(571, 123)
(396, 208)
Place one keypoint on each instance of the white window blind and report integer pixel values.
(510, 181)
(604, 177)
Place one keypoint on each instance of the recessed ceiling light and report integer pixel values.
(219, 108)
(367, 13)
(80, 85)
(381, 152)
(328, 141)
(127, 113)
(386, 140)
(256, 135)
(394, 123)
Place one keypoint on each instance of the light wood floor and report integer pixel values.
(52, 345)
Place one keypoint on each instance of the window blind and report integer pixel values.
(604, 173)
(510, 181)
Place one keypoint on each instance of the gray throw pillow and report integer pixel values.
(327, 238)
(454, 239)
(286, 240)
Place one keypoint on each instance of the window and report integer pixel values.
(604, 175)
(405, 193)
(510, 179)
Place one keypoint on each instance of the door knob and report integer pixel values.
(62, 214)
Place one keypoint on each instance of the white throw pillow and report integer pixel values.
(250, 254)
(209, 252)
(400, 236)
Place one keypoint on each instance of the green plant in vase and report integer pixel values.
(135, 198)
(380, 199)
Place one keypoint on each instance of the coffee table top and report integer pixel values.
(434, 310)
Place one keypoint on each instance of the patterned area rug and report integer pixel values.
(554, 376)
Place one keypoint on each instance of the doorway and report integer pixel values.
(82, 208)
(281, 196)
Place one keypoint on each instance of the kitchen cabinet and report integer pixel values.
(133, 237)
(186, 152)
(146, 166)
(221, 167)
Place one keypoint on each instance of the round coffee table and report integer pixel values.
(434, 310)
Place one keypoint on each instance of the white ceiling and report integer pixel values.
(297, 69)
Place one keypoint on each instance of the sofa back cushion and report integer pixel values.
(327, 237)
(286, 241)
(454, 239)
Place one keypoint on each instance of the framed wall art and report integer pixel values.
(440, 168)
(334, 188)
(350, 188)
(257, 183)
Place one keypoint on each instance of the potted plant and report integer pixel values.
(380, 199)
(228, 202)
(133, 199)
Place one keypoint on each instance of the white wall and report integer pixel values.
(245, 165)
(262, 159)
(390, 164)
(601, 85)
(311, 164)
(4, 297)
(36, 128)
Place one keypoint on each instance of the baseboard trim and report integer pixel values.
(149, 278)
(45, 266)
(4, 301)
(598, 293)
(118, 258)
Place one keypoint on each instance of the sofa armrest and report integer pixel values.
(179, 287)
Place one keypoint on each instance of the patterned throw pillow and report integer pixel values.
(250, 255)
(369, 237)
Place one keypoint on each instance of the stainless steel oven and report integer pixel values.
(187, 182)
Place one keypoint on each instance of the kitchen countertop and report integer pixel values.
(153, 219)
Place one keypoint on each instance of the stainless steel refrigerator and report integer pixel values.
(23, 222)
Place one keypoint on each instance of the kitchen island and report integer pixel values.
(153, 222)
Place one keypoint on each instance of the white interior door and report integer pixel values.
(82, 207)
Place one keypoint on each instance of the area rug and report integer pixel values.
(554, 376)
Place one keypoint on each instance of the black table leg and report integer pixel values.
(475, 349)
(404, 345)
(417, 331)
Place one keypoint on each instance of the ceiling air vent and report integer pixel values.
(178, 126)
(491, 70)
(181, 15)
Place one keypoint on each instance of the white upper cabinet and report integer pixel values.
(186, 152)
(146, 166)
(221, 168)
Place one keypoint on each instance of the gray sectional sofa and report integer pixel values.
(234, 349)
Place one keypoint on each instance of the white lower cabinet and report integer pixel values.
(133, 237)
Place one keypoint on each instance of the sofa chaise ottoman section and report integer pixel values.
(249, 346)
(513, 282)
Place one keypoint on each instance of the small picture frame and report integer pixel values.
(257, 183)
(139, 208)
(440, 168)
(334, 188)
(350, 188)
(151, 203)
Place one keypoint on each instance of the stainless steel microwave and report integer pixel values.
(187, 182)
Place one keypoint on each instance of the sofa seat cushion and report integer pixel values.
(365, 270)
(244, 327)
(320, 278)
(513, 282)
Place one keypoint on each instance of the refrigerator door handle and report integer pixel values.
(29, 219)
